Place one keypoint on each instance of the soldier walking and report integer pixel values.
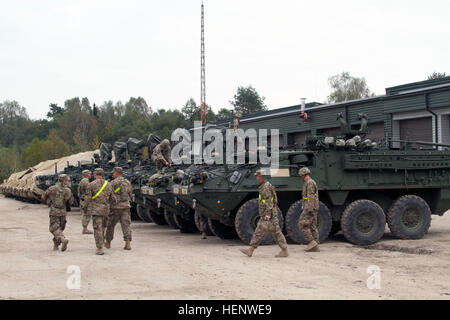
(268, 222)
(83, 189)
(310, 210)
(120, 211)
(162, 155)
(56, 198)
(203, 222)
(99, 199)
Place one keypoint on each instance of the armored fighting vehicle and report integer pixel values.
(362, 187)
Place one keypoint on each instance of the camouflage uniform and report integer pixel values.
(56, 198)
(161, 154)
(268, 207)
(203, 223)
(120, 211)
(83, 189)
(310, 209)
(98, 204)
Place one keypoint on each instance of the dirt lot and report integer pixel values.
(165, 264)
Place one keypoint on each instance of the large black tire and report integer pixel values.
(221, 230)
(197, 224)
(324, 221)
(247, 219)
(409, 217)
(170, 219)
(158, 218)
(144, 213)
(363, 222)
(185, 226)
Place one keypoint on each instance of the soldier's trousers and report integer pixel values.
(57, 226)
(203, 223)
(100, 224)
(265, 227)
(124, 217)
(308, 225)
(85, 218)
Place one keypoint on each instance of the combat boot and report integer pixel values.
(55, 247)
(127, 245)
(283, 253)
(248, 252)
(204, 236)
(313, 246)
(65, 242)
(108, 244)
(99, 252)
(87, 231)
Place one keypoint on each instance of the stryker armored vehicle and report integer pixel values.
(362, 187)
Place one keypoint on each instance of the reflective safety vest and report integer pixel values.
(100, 191)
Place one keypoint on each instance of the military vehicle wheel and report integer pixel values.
(158, 218)
(221, 230)
(247, 219)
(144, 213)
(324, 222)
(170, 219)
(197, 224)
(185, 226)
(363, 222)
(409, 217)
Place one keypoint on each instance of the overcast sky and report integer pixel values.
(53, 50)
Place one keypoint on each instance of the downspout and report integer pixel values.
(436, 122)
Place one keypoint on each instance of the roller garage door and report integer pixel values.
(420, 129)
(376, 131)
(298, 138)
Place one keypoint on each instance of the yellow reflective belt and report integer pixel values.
(100, 191)
(263, 200)
(305, 198)
(118, 189)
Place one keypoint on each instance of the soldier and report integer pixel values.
(100, 197)
(268, 222)
(56, 198)
(83, 189)
(120, 211)
(162, 155)
(310, 209)
(203, 222)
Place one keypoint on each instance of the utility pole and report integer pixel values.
(203, 70)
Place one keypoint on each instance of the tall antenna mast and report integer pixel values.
(203, 70)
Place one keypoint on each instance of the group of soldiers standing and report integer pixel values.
(107, 203)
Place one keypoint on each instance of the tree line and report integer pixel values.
(79, 125)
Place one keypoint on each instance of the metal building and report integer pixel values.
(418, 111)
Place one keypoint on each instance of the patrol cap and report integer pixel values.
(85, 172)
(99, 171)
(304, 171)
(165, 142)
(118, 170)
(260, 173)
(63, 177)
